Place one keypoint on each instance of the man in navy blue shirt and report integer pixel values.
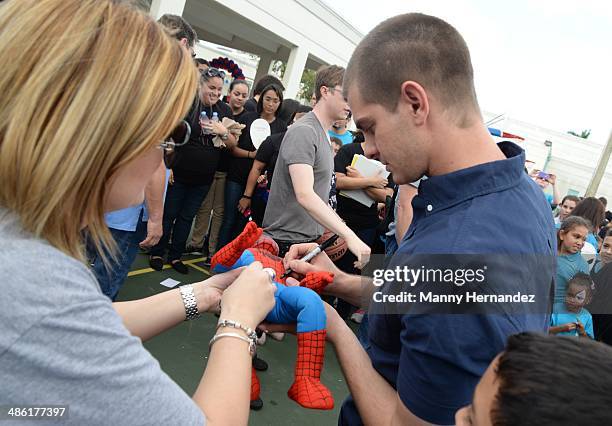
(410, 87)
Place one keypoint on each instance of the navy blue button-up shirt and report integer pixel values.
(434, 361)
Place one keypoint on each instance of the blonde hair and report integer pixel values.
(87, 87)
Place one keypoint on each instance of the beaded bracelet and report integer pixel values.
(251, 334)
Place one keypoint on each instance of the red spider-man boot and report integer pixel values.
(307, 389)
(229, 254)
(317, 281)
(256, 402)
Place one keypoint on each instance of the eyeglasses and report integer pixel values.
(214, 72)
(182, 132)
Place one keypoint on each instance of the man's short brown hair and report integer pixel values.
(178, 28)
(328, 76)
(414, 47)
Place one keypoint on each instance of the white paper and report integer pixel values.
(170, 283)
(367, 168)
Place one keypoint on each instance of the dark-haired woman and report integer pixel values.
(268, 108)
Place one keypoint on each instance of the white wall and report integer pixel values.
(572, 159)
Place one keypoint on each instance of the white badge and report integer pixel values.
(260, 130)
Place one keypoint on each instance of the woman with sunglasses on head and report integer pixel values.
(268, 108)
(210, 215)
(97, 85)
(193, 170)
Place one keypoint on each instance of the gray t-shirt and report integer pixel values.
(304, 143)
(61, 342)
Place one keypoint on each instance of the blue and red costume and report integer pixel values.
(299, 304)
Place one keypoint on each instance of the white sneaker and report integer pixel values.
(277, 336)
(261, 340)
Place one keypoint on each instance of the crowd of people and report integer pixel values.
(96, 165)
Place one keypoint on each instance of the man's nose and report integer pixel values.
(370, 150)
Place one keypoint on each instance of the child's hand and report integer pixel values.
(580, 328)
(570, 326)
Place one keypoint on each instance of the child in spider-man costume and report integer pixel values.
(293, 304)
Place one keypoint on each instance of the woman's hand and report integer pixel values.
(208, 292)
(217, 128)
(250, 298)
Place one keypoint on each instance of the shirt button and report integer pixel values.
(429, 207)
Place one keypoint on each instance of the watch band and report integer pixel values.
(189, 300)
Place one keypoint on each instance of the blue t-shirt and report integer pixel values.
(346, 137)
(434, 361)
(568, 266)
(562, 316)
(549, 198)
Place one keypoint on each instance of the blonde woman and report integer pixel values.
(90, 91)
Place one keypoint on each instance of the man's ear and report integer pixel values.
(184, 42)
(415, 97)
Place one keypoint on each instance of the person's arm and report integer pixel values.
(154, 199)
(374, 186)
(148, 317)
(219, 129)
(556, 329)
(345, 182)
(355, 289)
(302, 178)
(556, 196)
(256, 171)
(403, 219)
(379, 195)
(377, 402)
(243, 153)
(224, 391)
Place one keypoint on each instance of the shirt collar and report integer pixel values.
(441, 192)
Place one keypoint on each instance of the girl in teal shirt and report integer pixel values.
(570, 240)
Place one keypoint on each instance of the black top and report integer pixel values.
(197, 161)
(250, 105)
(239, 168)
(268, 153)
(226, 155)
(355, 214)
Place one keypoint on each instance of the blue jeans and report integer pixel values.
(233, 220)
(181, 205)
(112, 278)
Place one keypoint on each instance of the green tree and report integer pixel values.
(307, 85)
(584, 134)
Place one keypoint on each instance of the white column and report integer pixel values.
(263, 67)
(293, 73)
(161, 7)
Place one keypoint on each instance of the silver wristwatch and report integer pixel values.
(189, 300)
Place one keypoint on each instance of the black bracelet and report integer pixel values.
(245, 196)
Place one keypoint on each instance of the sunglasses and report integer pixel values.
(214, 72)
(181, 133)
